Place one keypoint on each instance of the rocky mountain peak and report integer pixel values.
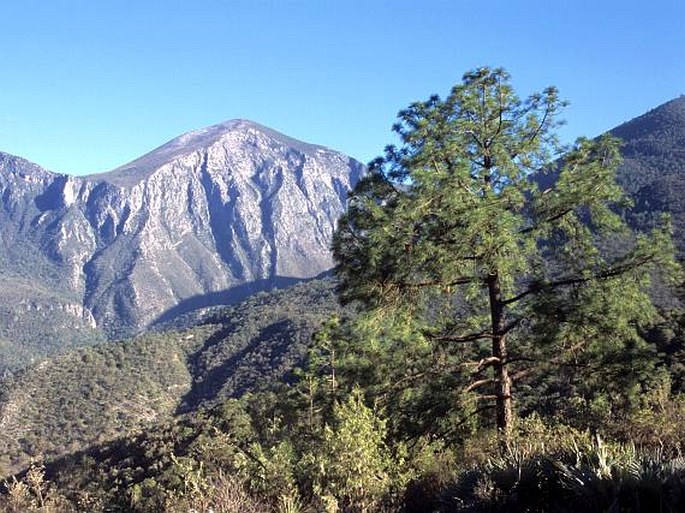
(238, 135)
(206, 218)
(17, 167)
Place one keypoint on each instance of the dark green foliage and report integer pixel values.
(451, 248)
(260, 340)
(146, 472)
(92, 395)
(654, 165)
(591, 479)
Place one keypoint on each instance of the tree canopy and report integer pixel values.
(452, 236)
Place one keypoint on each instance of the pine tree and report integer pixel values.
(453, 232)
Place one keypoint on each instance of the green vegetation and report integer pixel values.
(39, 315)
(449, 239)
(653, 165)
(472, 289)
(99, 393)
(36, 322)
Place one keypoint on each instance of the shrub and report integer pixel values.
(350, 469)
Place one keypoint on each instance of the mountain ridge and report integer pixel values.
(207, 211)
(190, 142)
(653, 168)
(216, 209)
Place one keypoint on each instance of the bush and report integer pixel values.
(350, 470)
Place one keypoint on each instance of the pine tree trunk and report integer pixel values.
(499, 350)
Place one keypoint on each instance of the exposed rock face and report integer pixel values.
(211, 210)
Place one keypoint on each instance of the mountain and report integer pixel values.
(653, 170)
(92, 395)
(207, 218)
(39, 312)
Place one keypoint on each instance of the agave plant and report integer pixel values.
(619, 478)
(592, 478)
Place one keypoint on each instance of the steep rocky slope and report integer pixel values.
(209, 217)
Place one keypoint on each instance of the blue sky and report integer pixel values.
(86, 86)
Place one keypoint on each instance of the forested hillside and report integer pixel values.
(100, 393)
(653, 168)
(503, 345)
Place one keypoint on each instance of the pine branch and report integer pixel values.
(472, 337)
(492, 397)
(551, 219)
(484, 363)
(612, 272)
(432, 283)
(479, 383)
